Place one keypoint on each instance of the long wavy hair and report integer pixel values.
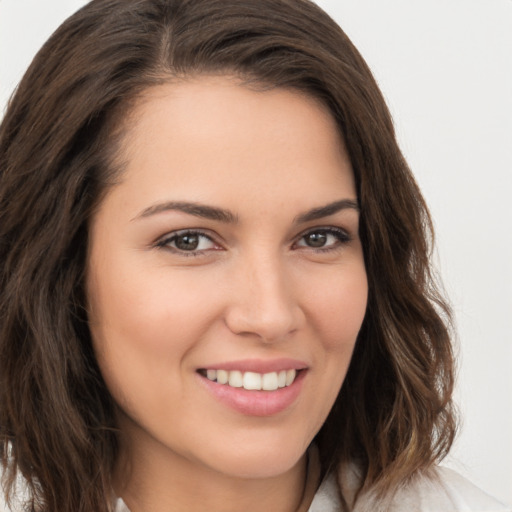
(58, 144)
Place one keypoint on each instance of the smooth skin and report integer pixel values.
(173, 289)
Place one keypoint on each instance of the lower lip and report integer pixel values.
(256, 403)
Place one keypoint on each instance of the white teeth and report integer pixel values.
(252, 380)
(290, 376)
(236, 379)
(222, 376)
(269, 381)
(281, 379)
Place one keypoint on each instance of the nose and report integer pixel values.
(263, 301)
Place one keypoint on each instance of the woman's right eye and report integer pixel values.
(188, 242)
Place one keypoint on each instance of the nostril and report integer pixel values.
(268, 327)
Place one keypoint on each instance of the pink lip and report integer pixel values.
(255, 403)
(259, 365)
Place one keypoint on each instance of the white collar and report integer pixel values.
(326, 498)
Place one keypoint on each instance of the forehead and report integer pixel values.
(220, 103)
(212, 137)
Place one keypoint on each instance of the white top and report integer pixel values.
(444, 491)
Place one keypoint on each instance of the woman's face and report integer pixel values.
(229, 251)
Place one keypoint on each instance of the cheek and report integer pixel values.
(338, 308)
(143, 327)
(337, 311)
(149, 310)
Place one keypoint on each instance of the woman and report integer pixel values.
(215, 278)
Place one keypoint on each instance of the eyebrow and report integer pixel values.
(328, 209)
(198, 210)
(228, 217)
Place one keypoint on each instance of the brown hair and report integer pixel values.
(57, 148)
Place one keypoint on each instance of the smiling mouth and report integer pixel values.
(252, 381)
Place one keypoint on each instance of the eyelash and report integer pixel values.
(164, 242)
(340, 234)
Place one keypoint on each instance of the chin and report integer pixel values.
(259, 460)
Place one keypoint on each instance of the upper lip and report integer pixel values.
(258, 365)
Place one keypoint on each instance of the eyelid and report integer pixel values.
(343, 236)
(164, 241)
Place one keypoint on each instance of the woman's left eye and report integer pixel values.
(188, 242)
(325, 238)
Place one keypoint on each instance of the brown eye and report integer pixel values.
(187, 242)
(328, 238)
(316, 239)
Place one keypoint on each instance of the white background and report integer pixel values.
(445, 67)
